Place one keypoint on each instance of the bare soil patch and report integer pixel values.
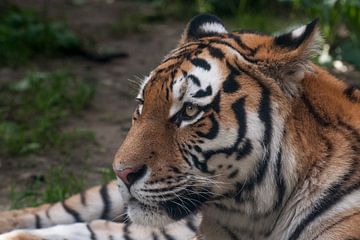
(109, 116)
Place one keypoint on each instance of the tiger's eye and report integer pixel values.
(191, 110)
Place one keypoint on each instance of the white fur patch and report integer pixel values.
(212, 78)
(143, 84)
(213, 27)
(298, 32)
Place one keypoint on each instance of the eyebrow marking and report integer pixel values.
(199, 62)
(201, 93)
(195, 80)
(216, 52)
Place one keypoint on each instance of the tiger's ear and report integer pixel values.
(203, 25)
(300, 38)
(292, 51)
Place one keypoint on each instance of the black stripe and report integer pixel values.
(332, 196)
(233, 174)
(47, 212)
(194, 79)
(322, 120)
(202, 63)
(191, 225)
(203, 93)
(221, 42)
(349, 92)
(167, 93)
(239, 110)
(216, 52)
(264, 112)
(37, 221)
(167, 236)
(336, 223)
(183, 155)
(265, 116)
(106, 200)
(92, 233)
(231, 234)
(202, 166)
(127, 232)
(83, 198)
(197, 148)
(355, 134)
(230, 85)
(72, 212)
(154, 236)
(213, 131)
(245, 150)
(173, 74)
(280, 183)
(242, 45)
(215, 104)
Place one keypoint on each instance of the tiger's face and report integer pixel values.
(208, 119)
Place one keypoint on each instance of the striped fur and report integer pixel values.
(239, 128)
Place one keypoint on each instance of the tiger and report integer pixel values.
(236, 136)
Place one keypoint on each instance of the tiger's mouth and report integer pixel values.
(187, 202)
(160, 213)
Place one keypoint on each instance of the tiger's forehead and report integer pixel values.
(193, 73)
(198, 82)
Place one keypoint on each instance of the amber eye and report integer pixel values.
(191, 110)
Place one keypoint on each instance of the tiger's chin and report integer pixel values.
(147, 215)
(159, 214)
(163, 213)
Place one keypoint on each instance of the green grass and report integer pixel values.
(55, 186)
(107, 175)
(32, 111)
(25, 34)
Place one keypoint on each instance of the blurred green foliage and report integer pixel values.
(55, 186)
(107, 175)
(32, 110)
(339, 19)
(25, 34)
(340, 22)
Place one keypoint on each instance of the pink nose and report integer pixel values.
(130, 175)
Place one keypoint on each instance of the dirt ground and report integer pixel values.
(109, 116)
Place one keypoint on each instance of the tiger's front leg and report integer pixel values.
(101, 229)
(102, 202)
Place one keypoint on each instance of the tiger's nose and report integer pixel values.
(130, 175)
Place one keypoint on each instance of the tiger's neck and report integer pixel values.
(299, 149)
(324, 132)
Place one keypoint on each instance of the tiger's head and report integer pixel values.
(210, 118)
